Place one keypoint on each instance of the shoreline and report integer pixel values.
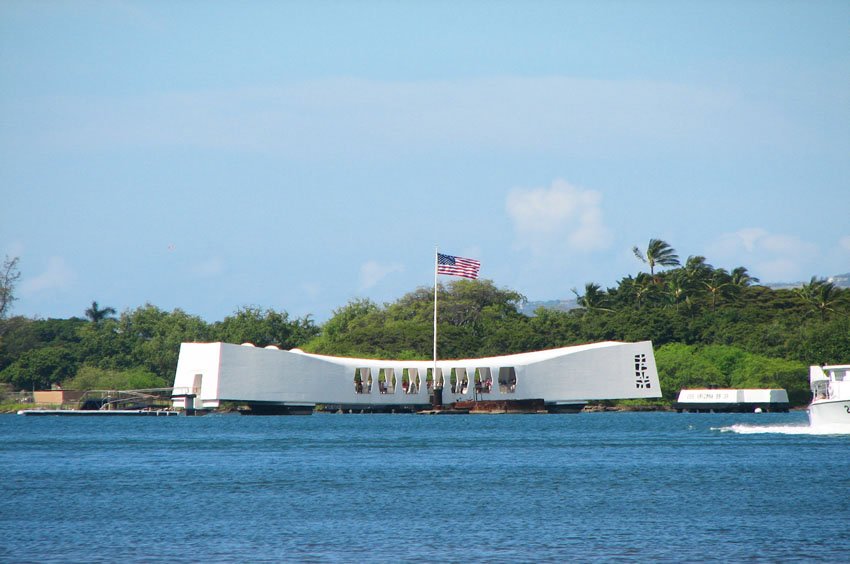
(589, 408)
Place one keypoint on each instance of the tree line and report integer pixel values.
(135, 350)
(709, 326)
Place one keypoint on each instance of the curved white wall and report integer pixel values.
(608, 370)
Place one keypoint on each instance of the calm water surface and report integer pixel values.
(381, 488)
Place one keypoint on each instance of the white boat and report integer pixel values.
(830, 395)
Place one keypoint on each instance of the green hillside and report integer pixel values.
(708, 326)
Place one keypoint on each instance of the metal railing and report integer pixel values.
(114, 399)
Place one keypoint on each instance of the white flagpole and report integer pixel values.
(434, 373)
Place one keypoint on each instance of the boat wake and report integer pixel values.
(741, 429)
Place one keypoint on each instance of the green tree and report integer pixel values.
(643, 288)
(97, 314)
(718, 285)
(93, 378)
(21, 334)
(681, 367)
(658, 252)
(824, 342)
(820, 295)
(696, 269)
(676, 289)
(465, 302)
(473, 316)
(343, 317)
(594, 298)
(757, 371)
(155, 336)
(349, 330)
(264, 327)
(741, 277)
(9, 276)
(553, 328)
(106, 344)
(40, 368)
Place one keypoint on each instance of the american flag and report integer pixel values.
(457, 266)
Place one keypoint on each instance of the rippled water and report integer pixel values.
(326, 488)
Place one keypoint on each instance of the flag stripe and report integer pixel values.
(457, 266)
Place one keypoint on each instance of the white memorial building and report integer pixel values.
(293, 381)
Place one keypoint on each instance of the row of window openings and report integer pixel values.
(458, 381)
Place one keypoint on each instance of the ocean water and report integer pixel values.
(410, 488)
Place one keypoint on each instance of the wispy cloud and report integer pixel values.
(358, 117)
(772, 257)
(57, 275)
(372, 272)
(559, 218)
(844, 243)
(212, 266)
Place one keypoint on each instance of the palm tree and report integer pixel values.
(96, 315)
(594, 297)
(819, 294)
(696, 269)
(642, 288)
(677, 289)
(740, 277)
(719, 285)
(657, 252)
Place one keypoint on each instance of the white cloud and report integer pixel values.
(56, 276)
(770, 256)
(561, 218)
(844, 243)
(748, 237)
(373, 272)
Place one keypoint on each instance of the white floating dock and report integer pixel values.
(100, 412)
(732, 400)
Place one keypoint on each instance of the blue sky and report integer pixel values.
(296, 155)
